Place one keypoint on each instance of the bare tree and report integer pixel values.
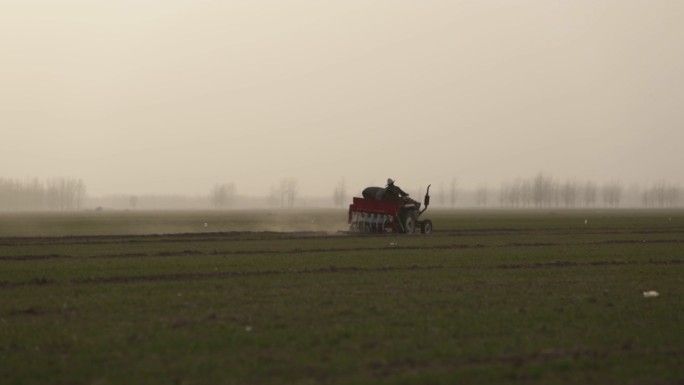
(340, 194)
(505, 194)
(80, 194)
(223, 195)
(516, 193)
(287, 192)
(662, 194)
(510, 194)
(453, 192)
(526, 193)
(273, 196)
(542, 191)
(589, 194)
(218, 196)
(612, 194)
(481, 195)
(64, 193)
(292, 190)
(133, 201)
(673, 196)
(568, 194)
(441, 195)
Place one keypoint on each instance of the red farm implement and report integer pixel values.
(368, 215)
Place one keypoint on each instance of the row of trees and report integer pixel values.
(223, 195)
(51, 194)
(340, 195)
(448, 195)
(285, 193)
(544, 191)
(540, 191)
(662, 194)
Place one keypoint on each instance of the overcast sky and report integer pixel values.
(172, 96)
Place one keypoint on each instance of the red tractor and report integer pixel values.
(381, 215)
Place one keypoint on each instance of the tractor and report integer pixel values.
(378, 213)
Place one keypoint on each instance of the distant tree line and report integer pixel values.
(51, 194)
(340, 195)
(443, 195)
(285, 193)
(223, 195)
(150, 202)
(540, 191)
(661, 195)
(543, 191)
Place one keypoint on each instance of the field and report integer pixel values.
(264, 297)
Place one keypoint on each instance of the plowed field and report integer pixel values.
(273, 298)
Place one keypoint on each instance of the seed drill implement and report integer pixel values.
(377, 212)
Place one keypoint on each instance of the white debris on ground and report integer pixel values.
(651, 294)
(248, 328)
(206, 224)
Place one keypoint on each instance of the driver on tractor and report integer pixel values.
(394, 192)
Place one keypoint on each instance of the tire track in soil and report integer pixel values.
(214, 275)
(381, 369)
(328, 270)
(238, 252)
(190, 252)
(258, 236)
(566, 264)
(230, 236)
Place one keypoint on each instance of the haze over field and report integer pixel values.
(174, 96)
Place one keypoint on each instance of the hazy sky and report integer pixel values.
(172, 96)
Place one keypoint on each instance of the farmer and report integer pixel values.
(394, 191)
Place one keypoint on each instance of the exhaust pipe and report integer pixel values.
(426, 202)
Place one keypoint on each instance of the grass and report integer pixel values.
(491, 297)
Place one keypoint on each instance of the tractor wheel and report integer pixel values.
(426, 227)
(410, 222)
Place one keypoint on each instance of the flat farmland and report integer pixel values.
(277, 297)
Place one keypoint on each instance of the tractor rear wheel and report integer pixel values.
(410, 222)
(426, 227)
